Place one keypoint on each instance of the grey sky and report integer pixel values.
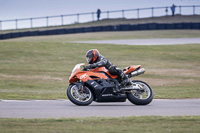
(18, 9)
(15, 9)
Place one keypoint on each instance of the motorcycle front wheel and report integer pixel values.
(81, 97)
(143, 96)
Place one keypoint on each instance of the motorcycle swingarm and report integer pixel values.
(132, 87)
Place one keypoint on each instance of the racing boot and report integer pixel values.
(125, 80)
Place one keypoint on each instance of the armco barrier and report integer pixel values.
(70, 31)
(6, 36)
(79, 30)
(134, 27)
(186, 25)
(34, 33)
(142, 27)
(124, 27)
(196, 26)
(127, 27)
(107, 28)
(60, 31)
(178, 26)
(88, 29)
(16, 35)
(97, 28)
(169, 26)
(152, 26)
(26, 33)
(43, 32)
(160, 26)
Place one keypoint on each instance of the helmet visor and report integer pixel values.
(89, 59)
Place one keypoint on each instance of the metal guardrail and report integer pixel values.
(105, 13)
(110, 28)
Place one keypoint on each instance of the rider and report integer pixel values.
(95, 59)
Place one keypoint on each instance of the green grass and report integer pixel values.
(148, 124)
(39, 67)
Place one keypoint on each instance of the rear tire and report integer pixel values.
(80, 97)
(137, 97)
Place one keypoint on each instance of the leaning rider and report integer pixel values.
(95, 59)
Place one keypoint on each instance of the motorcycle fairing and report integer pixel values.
(96, 87)
(94, 74)
(84, 76)
(87, 75)
(127, 70)
(103, 91)
(104, 70)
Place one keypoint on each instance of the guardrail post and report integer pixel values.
(193, 10)
(152, 11)
(16, 23)
(180, 10)
(138, 13)
(108, 14)
(77, 18)
(166, 10)
(62, 21)
(0, 26)
(47, 21)
(31, 19)
(93, 16)
(122, 13)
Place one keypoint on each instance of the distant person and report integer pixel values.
(173, 9)
(98, 14)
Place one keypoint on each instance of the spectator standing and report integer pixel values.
(173, 9)
(98, 14)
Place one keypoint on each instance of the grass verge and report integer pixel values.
(39, 67)
(146, 124)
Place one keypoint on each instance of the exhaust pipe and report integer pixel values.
(136, 73)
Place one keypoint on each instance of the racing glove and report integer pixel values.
(91, 66)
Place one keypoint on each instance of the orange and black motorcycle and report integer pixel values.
(100, 86)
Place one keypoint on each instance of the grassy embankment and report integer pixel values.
(118, 21)
(146, 124)
(39, 67)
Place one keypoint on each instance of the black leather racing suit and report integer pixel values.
(102, 61)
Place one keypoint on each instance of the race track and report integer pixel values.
(65, 109)
(162, 41)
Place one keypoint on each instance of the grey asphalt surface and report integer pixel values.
(65, 109)
(162, 41)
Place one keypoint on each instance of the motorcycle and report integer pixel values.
(99, 85)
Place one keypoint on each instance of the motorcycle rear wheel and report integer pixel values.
(80, 97)
(141, 97)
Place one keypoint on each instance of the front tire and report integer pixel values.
(141, 97)
(81, 97)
